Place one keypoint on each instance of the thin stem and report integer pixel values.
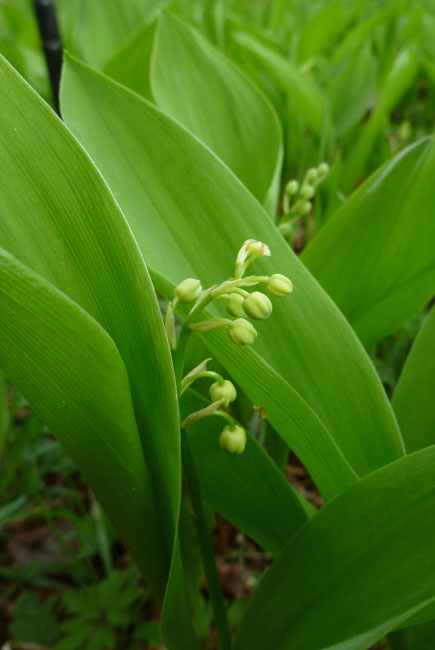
(49, 31)
(208, 559)
(179, 353)
(192, 482)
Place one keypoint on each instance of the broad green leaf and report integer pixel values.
(398, 81)
(176, 625)
(304, 94)
(323, 27)
(96, 30)
(376, 255)
(351, 89)
(362, 32)
(190, 215)
(413, 399)
(60, 220)
(131, 64)
(248, 490)
(354, 571)
(203, 90)
(70, 370)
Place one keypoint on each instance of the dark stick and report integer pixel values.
(51, 43)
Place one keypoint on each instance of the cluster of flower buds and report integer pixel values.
(298, 199)
(222, 393)
(240, 303)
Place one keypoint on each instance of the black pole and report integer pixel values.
(51, 43)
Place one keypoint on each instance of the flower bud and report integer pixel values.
(286, 229)
(323, 170)
(257, 305)
(242, 332)
(251, 250)
(233, 439)
(311, 175)
(234, 305)
(307, 192)
(279, 285)
(292, 187)
(188, 290)
(225, 391)
(306, 207)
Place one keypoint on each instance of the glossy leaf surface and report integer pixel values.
(183, 204)
(397, 83)
(203, 90)
(385, 554)
(70, 370)
(376, 255)
(304, 94)
(248, 490)
(60, 219)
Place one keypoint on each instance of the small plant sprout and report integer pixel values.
(298, 200)
(239, 303)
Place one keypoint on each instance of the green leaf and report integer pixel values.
(248, 490)
(131, 64)
(176, 626)
(352, 89)
(323, 27)
(33, 621)
(95, 30)
(71, 372)
(307, 367)
(203, 90)
(413, 399)
(376, 255)
(363, 31)
(355, 570)
(304, 94)
(60, 220)
(399, 80)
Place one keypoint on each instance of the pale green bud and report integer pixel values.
(233, 439)
(323, 170)
(188, 290)
(286, 229)
(225, 391)
(311, 175)
(306, 207)
(234, 305)
(257, 305)
(279, 285)
(307, 192)
(251, 250)
(242, 332)
(292, 187)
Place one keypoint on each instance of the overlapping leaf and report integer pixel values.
(376, 255)
(413, 399)
(398, 81)
(59, 218)
(190, 216)
(356, 570)
(70, 370)
(203, 90)
(306, 97)
(248, 490)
